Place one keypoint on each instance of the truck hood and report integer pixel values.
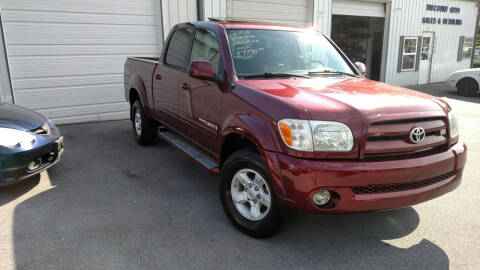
(321, 96)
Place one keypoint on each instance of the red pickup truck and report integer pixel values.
(289, 122)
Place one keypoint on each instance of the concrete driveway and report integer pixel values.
(111, 204)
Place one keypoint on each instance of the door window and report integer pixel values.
(205, 47)
(425, 48)
(177, 50)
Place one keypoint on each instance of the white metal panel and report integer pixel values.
(66, 57)
(177, 11)
(406, 20)
(285, 11)
(214, 8)
(358, 8)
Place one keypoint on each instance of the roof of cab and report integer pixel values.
(232, 23)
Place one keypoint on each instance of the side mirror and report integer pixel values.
(361, 67)
(202, 70)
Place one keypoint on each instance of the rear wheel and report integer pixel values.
(247, 195)
(467, 87)
(144, 129)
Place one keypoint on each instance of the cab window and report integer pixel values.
(177, 50)
(205, 47)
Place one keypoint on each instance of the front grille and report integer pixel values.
(402, 186)
(393, 137)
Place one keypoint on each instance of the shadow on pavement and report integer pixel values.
(443, 90)
(10, 193)
(117, 205)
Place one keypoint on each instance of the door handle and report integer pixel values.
(186, 86)
(158, 76)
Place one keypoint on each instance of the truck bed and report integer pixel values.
(140, 69)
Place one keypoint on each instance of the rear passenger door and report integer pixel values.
(200, 101)
(167, 76)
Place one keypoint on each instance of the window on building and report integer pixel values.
(177, 50)
(409, 53)
(467, 47)
(205, 47)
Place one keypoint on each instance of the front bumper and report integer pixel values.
(296, 180)
(14, 166)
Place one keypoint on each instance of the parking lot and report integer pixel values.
(112, 204)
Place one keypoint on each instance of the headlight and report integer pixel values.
(14, 138)
(453, 123)
(331, 136)
(321, 136)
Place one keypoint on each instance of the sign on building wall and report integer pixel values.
(442, 9)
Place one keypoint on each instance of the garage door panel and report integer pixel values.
(43, 99)
(86, 6)
(66, 33)
(276, 2)
(289, 12)
(91, 118)
(98, 49)
(358, 8)
(269, 16)
(73, 111)
(269, 7)
(67, 81)
(60, 66)
(77, 18)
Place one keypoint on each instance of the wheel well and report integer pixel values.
(132, 97)
(233, 143)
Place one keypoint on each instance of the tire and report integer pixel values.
(248, 163)
(467, 87)
(144, 129)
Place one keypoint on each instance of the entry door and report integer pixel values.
(425, 58)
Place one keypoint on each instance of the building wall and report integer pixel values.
(406, 20)
(66, 57)
(177, 11)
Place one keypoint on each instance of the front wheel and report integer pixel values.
(467, 87)
(248, 197)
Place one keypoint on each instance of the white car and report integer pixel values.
(466, 81)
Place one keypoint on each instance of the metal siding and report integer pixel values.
(177, 11)
(406, 20)
(358, 8)
(285, 11)
(214, 9)
(66, 57)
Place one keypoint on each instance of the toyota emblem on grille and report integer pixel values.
(417, 135)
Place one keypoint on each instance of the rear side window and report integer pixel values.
(177, 51)
(205, 47)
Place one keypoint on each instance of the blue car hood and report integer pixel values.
(12, 116)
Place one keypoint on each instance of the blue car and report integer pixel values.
(29, 144)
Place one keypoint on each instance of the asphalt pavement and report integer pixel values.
(112, 204)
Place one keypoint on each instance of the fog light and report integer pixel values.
(32, 166)
(321, 198)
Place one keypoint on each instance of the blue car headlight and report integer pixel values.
(14, 138)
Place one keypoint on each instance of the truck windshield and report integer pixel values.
(257, 52)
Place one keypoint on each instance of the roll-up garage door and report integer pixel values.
(66, 57)
(285, 11)
(358, 8)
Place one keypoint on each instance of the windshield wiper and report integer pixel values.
(332, 71)
(274, 75)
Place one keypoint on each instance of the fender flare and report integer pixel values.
(136, 84)
(252, 128)
(263, 136)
